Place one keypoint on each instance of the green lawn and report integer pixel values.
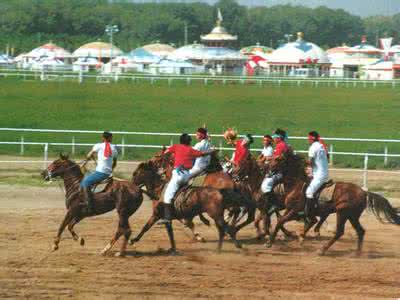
(340, 112)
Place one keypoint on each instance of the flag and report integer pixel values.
(220, 15)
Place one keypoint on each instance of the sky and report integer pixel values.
(357, 7)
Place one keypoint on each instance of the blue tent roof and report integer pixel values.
(141, 55)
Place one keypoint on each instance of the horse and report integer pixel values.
(251, 172)
(195, 201)
(218, 179)
(348, 202)
(122, 195)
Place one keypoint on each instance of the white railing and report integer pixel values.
(45, 146)
(385, 153)
(205, 79)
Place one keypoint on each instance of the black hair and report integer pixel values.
(107, 135)
(281, 132)
(202, 130)
(314, 134)
(267, 136)
(250, 138)
(185, 139)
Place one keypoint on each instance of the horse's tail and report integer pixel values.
(382, 209)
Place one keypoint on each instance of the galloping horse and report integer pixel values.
(196, 200)
(348, 202)
(122, 195)
(215, 178)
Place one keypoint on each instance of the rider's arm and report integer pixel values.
(114, 163)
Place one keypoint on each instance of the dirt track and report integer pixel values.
(29, 218)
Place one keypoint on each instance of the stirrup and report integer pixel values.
(164, 221)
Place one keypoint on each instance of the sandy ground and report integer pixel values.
(29, 218)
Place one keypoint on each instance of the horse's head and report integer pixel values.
(163, 161)
(246, 168)
(59, 167)
(145, 173)
(290, 165)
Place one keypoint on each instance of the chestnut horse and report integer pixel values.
(122, 195)
(216, 178)
(197, 200)
(349, 201)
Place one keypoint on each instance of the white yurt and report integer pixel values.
(48, 63)
(85, 64)
(167, 66)
(395, 51)
(50, 50)
(6, 61)
(382, 70)
(299, 58)
(102, 51)
(157, 49)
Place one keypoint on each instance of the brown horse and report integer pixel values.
(251, 172)
(122, 195)
(218, 179)
(348, 202)
(196, 200)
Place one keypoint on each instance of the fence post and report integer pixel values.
(123, 147)
(188, 80)
(331, 154)
(385, 161)
(365, 179)
(205, 81)
(73, 146)
(45, 155)
(80, 76)
(169, 81)
(22, 146)
(171, 142)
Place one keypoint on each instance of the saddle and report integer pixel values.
(325, 193)
(102, 185)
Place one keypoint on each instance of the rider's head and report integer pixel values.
(248, 139)
(267, 140)
(313, 136)
(107, 136)
(279, 135)
(185, 139)
(230, 135)
(201, 133)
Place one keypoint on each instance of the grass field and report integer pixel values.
(340, 112)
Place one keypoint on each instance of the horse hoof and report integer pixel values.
(172, 252)
(301, 240)
(81, 241)
(268, 244)
(321, 252)
(119, 254)
(54, 248)
(133, 241)
(239, 246)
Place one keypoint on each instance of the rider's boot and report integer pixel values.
(89, 199)
(309, 207)
(167, 214)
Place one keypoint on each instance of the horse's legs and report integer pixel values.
(153, 219)
(307, 227)
(257, 221)
(196, 236)
(115, 238)
(65, 222)
(251, 213)
(321, 221)
(126, 230)
(221, 226)
(281, 221)
(341, 219)
(73, 233)
(355, 221)
(170, 232)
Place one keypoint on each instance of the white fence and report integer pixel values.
(48, 75)
(123, 146)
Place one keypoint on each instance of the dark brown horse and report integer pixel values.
(218, 179)
(196, 200)
(122, 195)
(348, 202)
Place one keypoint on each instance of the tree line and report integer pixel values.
(26, 24)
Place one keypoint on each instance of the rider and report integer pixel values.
(267, 153)
(106, 161)
(319, 163)
(201, 163)
(242, 146)
(184, 155)
(281, 148)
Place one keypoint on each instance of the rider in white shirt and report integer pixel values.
(201, 163)
(319, 163)
(268, 151)
(106, 161)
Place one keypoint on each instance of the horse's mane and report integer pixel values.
(294, 166)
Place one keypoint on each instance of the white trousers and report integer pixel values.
(177, 180)
(315, 184)
(196, 170)
(269, 181)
